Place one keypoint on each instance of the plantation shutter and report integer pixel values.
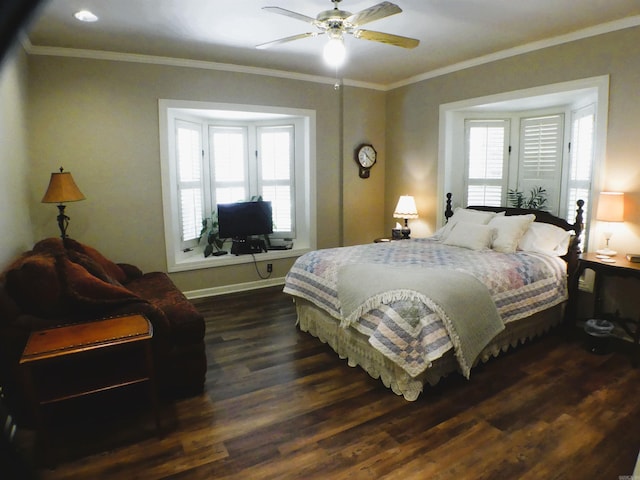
(487, 153)
(228, 146)
(580, 160)
(275, 170)
(540, 162)
(190, 187)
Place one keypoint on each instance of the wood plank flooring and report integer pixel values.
(281, 405)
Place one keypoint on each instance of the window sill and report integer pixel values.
(195, 259)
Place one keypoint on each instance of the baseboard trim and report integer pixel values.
(238, 287)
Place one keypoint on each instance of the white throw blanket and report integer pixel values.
(463, 302)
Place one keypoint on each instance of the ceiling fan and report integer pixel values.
(335, 23)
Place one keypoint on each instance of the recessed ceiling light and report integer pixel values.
(86, 16)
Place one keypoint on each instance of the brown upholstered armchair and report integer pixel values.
(60, 282)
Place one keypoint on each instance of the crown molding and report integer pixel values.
(609, 27)
(604, 28)
(185, 63)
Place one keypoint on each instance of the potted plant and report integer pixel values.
(212, 234)
(536, 201)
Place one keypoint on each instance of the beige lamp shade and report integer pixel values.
(610, 207)
(62, 189)
(406, 208)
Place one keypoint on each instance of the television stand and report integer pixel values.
(245, 246)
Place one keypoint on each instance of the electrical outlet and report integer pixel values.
(269, 267)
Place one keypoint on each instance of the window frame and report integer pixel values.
(573, 94)
(485, 181)
(183, 184)
(262, 182)
(221, 113)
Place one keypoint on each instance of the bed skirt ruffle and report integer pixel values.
(351, 345)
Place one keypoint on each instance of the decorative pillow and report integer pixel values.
(470, 235)
(467, 215)
(545, 238)
(509, 231)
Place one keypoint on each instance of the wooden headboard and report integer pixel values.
(545, 217)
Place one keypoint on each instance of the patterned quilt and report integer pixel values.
(408, 332)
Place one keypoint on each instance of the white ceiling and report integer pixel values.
(452, 33)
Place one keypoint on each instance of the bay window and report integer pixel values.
(212, 157)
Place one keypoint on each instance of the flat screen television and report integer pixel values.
(243, 219)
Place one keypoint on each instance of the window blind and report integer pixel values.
(276, 161)
(189, 166)
(486, 153)
(580, 160)
(541, 157)
(228, 151)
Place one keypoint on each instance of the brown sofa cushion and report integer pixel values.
(33, 284)
(88, 291)
(48, 282)
(9, 310)
(112, 269)
(185, 322)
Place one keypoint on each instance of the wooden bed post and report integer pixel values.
(579, 222)
(448, 212)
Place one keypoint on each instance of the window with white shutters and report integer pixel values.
(487, 153)
(580, 160)
(189, 174)
(540, 163)
(214, 153)
(255, 160)
(229, 164)
(275, 174)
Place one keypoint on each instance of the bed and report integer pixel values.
(411, 312)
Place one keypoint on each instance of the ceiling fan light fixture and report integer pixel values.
(335, 52)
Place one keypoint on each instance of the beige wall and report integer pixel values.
(15, 218)
(364, 122)
(413, 116)
(99, 119)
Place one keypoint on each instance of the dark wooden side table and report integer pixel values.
(620, 268)
(73, 361)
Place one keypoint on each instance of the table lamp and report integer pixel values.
(610, 210)
(406, 208)
(62, 189)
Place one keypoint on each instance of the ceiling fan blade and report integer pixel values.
(262, 46)
(370, 14)
(397, 40)
(289, 13)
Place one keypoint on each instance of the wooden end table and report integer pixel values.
(620, 267)
(78, 360)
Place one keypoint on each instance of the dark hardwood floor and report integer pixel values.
(281, 405)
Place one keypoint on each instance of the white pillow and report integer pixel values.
(509, 231)
(545, 238)
(470, 235)
(467, 215)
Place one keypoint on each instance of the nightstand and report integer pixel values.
(620, 268)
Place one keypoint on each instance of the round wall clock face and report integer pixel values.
(366, 156)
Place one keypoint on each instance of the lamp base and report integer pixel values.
(63, 221)
(606, 251)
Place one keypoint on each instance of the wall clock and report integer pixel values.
(366, 157)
